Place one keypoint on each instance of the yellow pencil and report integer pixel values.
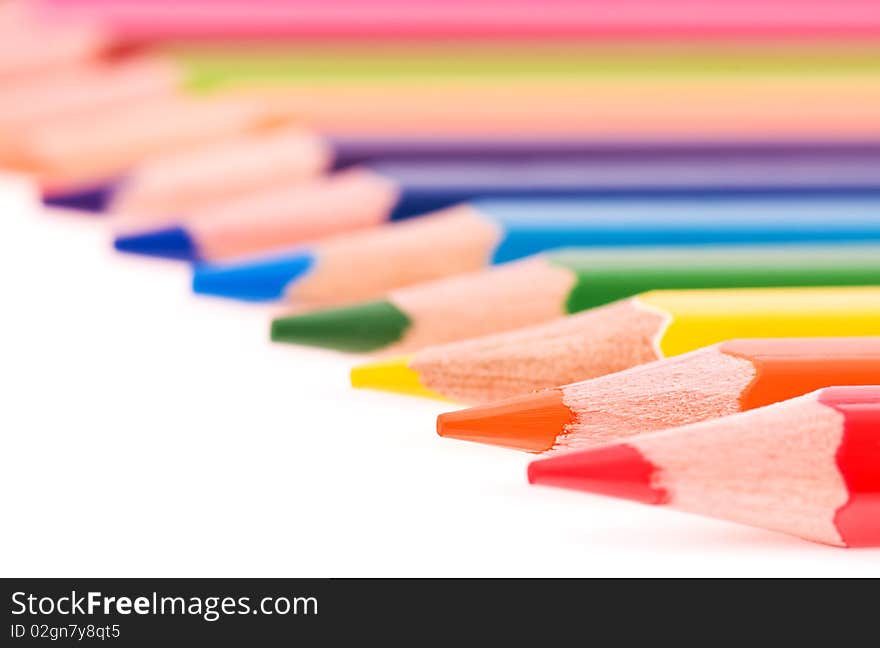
(624, 334)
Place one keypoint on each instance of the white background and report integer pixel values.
(148, 432)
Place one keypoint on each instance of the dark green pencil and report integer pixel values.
(551, 285)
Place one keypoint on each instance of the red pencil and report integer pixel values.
(809, 466)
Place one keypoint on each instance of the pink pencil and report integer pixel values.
(164, 19)
(82, 89)
(25, 44)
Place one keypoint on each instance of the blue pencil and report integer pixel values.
(468, 237)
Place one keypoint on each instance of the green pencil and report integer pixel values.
(551, 285)
(211, 68)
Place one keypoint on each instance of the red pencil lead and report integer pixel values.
(616, 470)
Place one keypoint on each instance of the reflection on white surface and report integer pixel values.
(146, 432)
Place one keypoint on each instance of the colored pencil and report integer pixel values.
(270, 158)
(368, 263)
(731, 377)
(618, 336)
(71, 154)
(645, 19)
(809, 466)
(796, 107)
(25, 49)
(82, 89)
(348, 150)
(383, 192)
(539, 289)
(164, 187)
(222, 66)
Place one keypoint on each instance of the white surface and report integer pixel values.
(147, 432)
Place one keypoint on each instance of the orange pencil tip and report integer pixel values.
(531, 423)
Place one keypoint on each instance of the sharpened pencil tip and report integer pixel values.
(394, 375)
(359, 328)
(168, 243)
(262, 280)
(93, 199)
(531, 423)
(617, 470)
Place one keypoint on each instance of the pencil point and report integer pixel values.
(359, 328)
(617, 470)
(531, 423)
(263, 280)
(392, 375)
(94, 199)
(169, 243)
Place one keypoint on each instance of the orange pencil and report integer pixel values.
(809, 467)
(774, 108)
(723, 379)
